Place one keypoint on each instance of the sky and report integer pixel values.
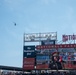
(32, 16)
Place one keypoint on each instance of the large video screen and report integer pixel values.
(60, 58)
(66, 58)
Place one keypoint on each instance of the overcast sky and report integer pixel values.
(32, 16)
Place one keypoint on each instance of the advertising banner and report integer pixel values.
(42, 66)
(56, 46)
(40, 36)
(28, 67)
(29, 51)
(68, 37)
(28, 63)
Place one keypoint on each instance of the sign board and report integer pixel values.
(28, 57)
(68, 37)
(29, 51)
(40, 36)
(28, 63)
(42, 66)
(56, 46)
(28, 67)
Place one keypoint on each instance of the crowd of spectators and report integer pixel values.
(10, 73)
(52, 73)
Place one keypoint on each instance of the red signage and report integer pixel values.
(42, 66)
(28, 67)
(28, 63)
(56, 46)
(68, 37)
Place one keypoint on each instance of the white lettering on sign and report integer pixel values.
(28, 53)
(40, 36)
(68, 37)
(28, 50)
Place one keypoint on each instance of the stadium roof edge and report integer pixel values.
(10, 68)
